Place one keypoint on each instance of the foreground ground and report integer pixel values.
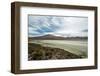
(56, 49)
(38, 52)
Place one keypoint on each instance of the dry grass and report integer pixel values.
(39, 52)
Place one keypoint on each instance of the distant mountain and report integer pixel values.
(53, 37)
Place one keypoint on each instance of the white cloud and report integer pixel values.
(59, 26)
(73, 26)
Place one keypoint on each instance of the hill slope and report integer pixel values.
(39, 52)
(53, 37)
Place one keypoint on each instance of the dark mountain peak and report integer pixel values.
(48, 35)
(54, 37)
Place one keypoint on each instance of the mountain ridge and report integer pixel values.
(53, 37)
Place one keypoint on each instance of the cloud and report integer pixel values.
(60, 26)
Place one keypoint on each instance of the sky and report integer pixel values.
(65, 26)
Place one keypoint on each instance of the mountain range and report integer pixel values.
(53, 37)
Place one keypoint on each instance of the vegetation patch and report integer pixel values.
(39, 52)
